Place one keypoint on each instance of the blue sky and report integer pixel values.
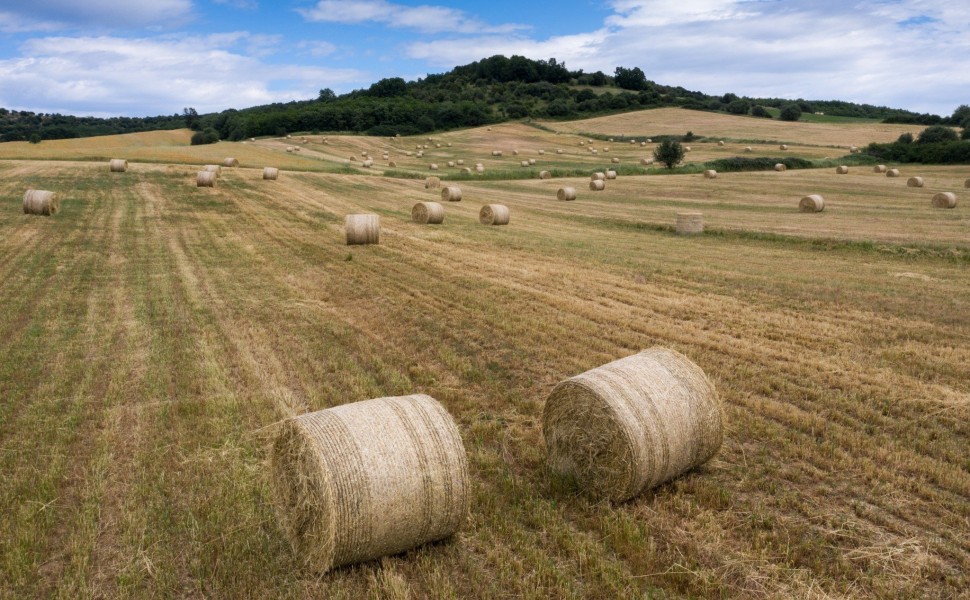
(139, 58)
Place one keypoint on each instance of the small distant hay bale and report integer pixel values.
(686, 148)
(646, 162)
(689, 223)
(914, 182)
(710, 174)
(496, 153)
(945, 200)
(392, 164)
(632, 424)
(363, 229)
(489, 128)
(288, 136)
(437, 145)
(419, 155)
(611, 174)
(558, 150)
(205, 179)
(230, 162)
(892, 173)
(432, 183)
(252, 139)
(433, 166)
(879, 169)
(566, 194)
(494, 214)
(532, 161)
(642, 144)
(720, 142)
(449, 144)
(213, 169)
(649, 141)
(409, 153)
(593, 151)
(479, 168)
(515, 153)
(545, 175)
(367, 163)
(385, 156)
(610, 140)
(367, 479)
(524, 163)
(615, 160)
(451, 163)
(853, 149)
(780, 166)
(748, 149)
(589, 141)
(460, 162)
(633, 142)
(606, 149)
(812, 203)
(783, 147)
(542, 152)
(841, 169)
(271, 173)
(118, 165)
(582, 143)
(428, 213)
(352, 158)
(41, 202)
(598, 175)
(597, 185)
(296, 148)
(424, 147)
(451, 193)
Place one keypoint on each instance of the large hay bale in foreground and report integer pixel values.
(230, 162)
(271, 173)
(41, 202)
(841, 169)
(812, 203)
(432, 183)
(205, 179)
(945, 200)
(689, 223)
(632, 424)
(892, 173)
(494, 214)
(363, 229)
(915, 182)
(710, 174)
(879, 169)
(118, 165)
(566, 194)
(451, 193)
(597, 185)
(368, 479)
(428, 213)
(780, 166)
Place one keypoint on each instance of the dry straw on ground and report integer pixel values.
(841, 169)
(632, 424)
(494, 214)
(368, 479)
(432, 183)
(566, 193)
(428, 213)
(118, 165)
(597, 185)
(812, 203)
(230, 162)
(451, 193)
(945, 200)
(915, 182)
(363, 229)
(689, 223)
(205, 179)
(271, 173)
(41, 202)
(892, 173)
(710, 174)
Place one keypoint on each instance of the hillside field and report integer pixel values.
(154, 332)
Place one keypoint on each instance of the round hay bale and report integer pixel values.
(368, 479)
(633, 142)
(531, 161)
(352, 158)
(449, 144)
(271, 173)
(479, 168)
(643, 144)
(367, 163)
(632, 424)
(433, 167)
(392, 164)
(945, 200)
(597, 175)
(606, 149)
(841, 169)
(545, 175)
(460, 162)
(230, 162)
(649, 141)
(363, 229)
(589, 141)
(425, 146)
(409, 153)
(213, 169)
(582, 143)
(419, 155)
(593, 151)
(914, 182)
(610, 140)
(783, 147)
(710, 174)
(489, 128)
(432, 183)
(41, 202)
(720, 142)
(597, 185)
(812, 204)
(437, 145)
(296, 148)
(892, 173)
(428, 213)
(853, 149)
(780, 166)
(494, 214)
(205, 179)
(515, 153)
(615, 160)
(566, 193)
(558, 150)
(686, 148)
(524, 163)
(496, 153)
(542, 152)
(451, 193)
(611, 174)
(451, 163)
(879, 169)
(646, 162)
(689, 223)
(748, 149)
(118, 165)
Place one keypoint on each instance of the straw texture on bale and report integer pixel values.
(879, 169)
(271, 173)
(451, 163)
(428, 213)
(368, 479)
(566, 193)
(632, 424)
(841, 169)
(892, 173)
(363, 229)
(689, 223)
(914, 182)
(213, 169)
(432, 183)
(41, 202)
(451, 193)
(460, 162)
(542, 152)
(597, 185)
(611, 174)
(598, 175)
(545, 175)
(118, 165)
(780, 166)
(494, 214)
(812, 203)
(945, 200)
(710, 174)
(205, 179)
(230, 162)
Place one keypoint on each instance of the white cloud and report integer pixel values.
(43, 15)
(426, 19)
(317, 47)
(110, 75)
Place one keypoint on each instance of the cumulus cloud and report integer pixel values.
(149, 76)
(425, 18)
(44, 15)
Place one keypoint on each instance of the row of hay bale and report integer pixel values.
(377, 477)
(939, 200)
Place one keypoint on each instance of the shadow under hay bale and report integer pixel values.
(363, 229)
(41, 202)
(632, 424)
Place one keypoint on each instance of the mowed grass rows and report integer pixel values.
(154, 332)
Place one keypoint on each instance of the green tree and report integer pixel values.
(790, 112)
(669, 153)
(326, 95)
(34, 138)
(738, 107)
(191, 117)
(760, 111)
(630, 79)
(937, 133)
(906, 138)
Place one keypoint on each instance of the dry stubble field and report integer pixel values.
(153, 332)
